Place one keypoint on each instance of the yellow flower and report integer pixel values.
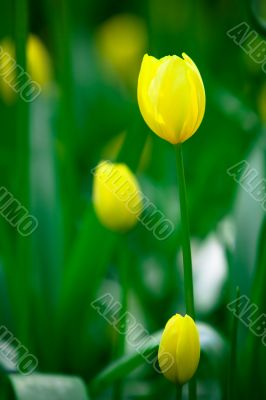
(121, 42)
(116, 196)
(39, 62)
(7, 70)
(262, 103)
(171, 96)
(180, 339)
(38, 66)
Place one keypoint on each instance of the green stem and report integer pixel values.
(121, 342)
(258, 298)
(60, 21)
(23, 175)
(233, 355)
(123, 277)
(179, 392)
(187, 261)
(60, 27)
(186, 250)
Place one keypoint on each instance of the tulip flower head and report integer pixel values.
(39, 61)
(7, 69)
(121, 41)
(180, 339)
(171, 96)
(114, 187)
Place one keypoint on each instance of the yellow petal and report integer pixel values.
(199, 90)
(187, 350)
(146, 99)
(174, 99)
(168, 345)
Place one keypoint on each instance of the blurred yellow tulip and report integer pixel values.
(39, 66)
(262, 103)
(39, 62)
(114, 186)
(7, 63)
(181, 340)
(171, 96)
(121, 41)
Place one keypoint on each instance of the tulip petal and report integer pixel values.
(172, 99)
(187, 350)
(192, 108)
(168, 346)
(148, 70)
(200, 91)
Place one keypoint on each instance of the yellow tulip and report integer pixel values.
(262, 103)
(114, 188)
(7, 63)
(121, 41)
(171, 96)
(39, 62)
(180, 339)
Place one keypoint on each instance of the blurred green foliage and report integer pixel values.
(49, 280)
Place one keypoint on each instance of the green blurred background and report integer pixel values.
(87, 112)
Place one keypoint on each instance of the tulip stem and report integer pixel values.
(187, 261)
(186, 250)
(122, 324)
(258, 298)
(22, 190)
(123, 277)
(233, 355)
(179, 392)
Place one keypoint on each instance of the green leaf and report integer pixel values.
(85, 271)
(213, 348)
(44, 387)
(124, 365)
(219, 150)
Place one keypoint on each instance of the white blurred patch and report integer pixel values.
(209, 273)
(8, 363)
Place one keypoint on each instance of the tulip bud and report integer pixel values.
(39, 62)
(114, 187)
(180, 339)
(7, 69)
(171, 96)
(121, 42)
